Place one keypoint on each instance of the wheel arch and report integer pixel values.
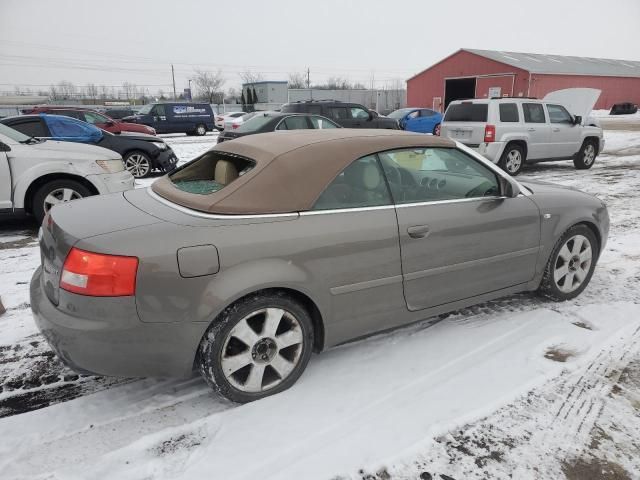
(522, 143)
(44, 179)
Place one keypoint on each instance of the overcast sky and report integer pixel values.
(113, 41)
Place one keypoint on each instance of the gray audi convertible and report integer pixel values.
(264, 249)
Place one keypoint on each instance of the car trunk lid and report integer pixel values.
(69, 223)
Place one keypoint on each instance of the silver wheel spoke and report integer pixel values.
(51, 200)
(568, 282)
(254, 380)
(576, 263)
(560, 273)
(283, 366)
(585, 255)
(580, 275)
(291, 337)
(67, 194)
(564, 253)
(273, 317)
(236, 362)
(577, 245)
(243, 332)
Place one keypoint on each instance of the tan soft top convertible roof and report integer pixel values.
(292, 168)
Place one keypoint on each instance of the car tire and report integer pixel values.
(586, 157)
(436, 130)
(55, 192)
(512, 159)
(279, 352)
(138, 163)
(573, 259)
(201, 130)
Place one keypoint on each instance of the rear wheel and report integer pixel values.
(512, 159)
(586, 156)
(54, 193)
(138, 163)
(201, 130)
(257, 347)
(570, 265)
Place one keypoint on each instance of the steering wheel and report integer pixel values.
(483, 190)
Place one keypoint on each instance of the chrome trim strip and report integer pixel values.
(470, 263)
(455, 200)
(196, 213)
(356, 287)
(346, 210)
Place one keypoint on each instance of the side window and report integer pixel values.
(361, 184)
(533, 113)
(296, 123)
(509, 112)
(321, 123)
(559, 114)
(94, 118)
(360, 113)
(435, 174)
(413, 115)
(339, 113)
(33, 127)
(427, 113)
(159, 110)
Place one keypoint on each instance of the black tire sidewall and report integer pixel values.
(212, 343)
(548, 285)
(37, 206)
(503, 158)
(145, 155)
(578, 162)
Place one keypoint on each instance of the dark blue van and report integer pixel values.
(189, 118)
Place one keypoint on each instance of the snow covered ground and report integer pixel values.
(516, 388)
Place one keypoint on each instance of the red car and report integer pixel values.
(100, 120)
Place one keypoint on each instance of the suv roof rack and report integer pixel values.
(318, 101)
(512, 97)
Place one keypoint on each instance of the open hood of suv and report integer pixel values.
(579, 101)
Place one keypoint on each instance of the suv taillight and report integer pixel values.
(99, 275)
(489, 133)
(234, 125)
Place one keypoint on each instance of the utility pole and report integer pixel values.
(173, 75)
(309, 83)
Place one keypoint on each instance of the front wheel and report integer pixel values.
(201, 130)
(586, 156)
(512, 159)
(138, 163)
(55, 192)
(257, 347)
(570, 265)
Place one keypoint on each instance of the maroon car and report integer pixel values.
(98, 119)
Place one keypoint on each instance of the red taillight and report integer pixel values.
(234, 125)
(99, 275)
(489, 133)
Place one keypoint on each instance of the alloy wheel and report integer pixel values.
(573, 263)
(514, 161)
(589, 154)
(262, 350)
(201, 130)
(138, 165)
(60, 195)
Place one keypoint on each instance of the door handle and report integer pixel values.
(556, 129)
(418, 231)
(531, 129)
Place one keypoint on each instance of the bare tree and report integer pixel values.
(251, 77)
(335, 83)
(297, 80)
(130, 90)
(91, 91)
(209, 85)
(65, 90)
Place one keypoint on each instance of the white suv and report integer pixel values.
(36, 174)
(512, 131)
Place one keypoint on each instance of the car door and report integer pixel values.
(159, 119)
(459, 236)
(6, 202)
(353, 230)
(360, 118)
(565, 134)
(537, 131)
(412, 121)
(340, 115)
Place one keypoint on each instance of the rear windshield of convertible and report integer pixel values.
(210, 173)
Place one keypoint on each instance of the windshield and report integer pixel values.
(14, 135)
(254, 124)
(146, 109)
(400, 113)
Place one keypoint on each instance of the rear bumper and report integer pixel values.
(112, 182)
(491, 151)
(110, 339)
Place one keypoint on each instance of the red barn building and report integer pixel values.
(470, 73)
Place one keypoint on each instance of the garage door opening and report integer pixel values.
(459, 89)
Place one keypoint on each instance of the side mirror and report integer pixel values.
(509, 189)
(577, 120)
(4, 147)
